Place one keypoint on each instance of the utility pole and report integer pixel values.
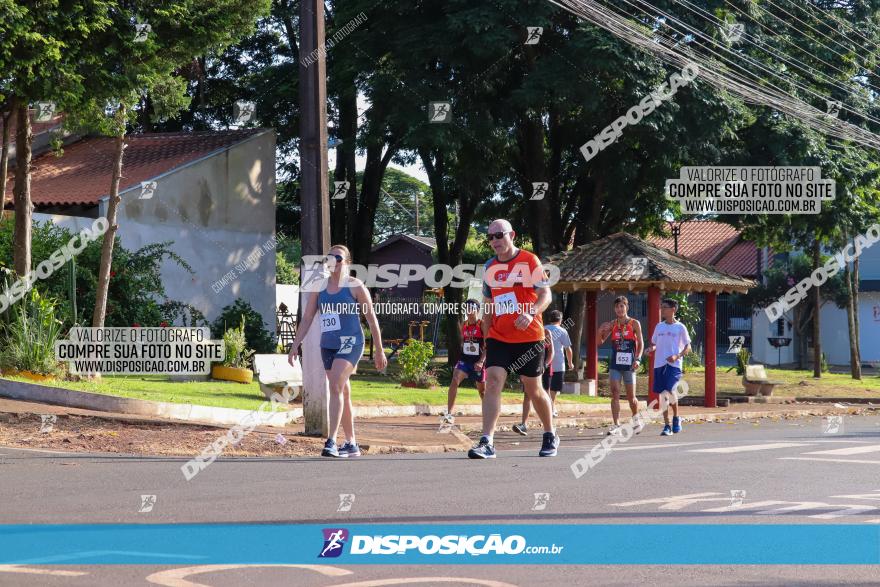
(417, 212)
(314, 199)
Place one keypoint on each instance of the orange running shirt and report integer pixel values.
(512, 288)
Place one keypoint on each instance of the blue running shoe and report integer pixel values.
(349, 449)
(667, 431)
(549, 445)
(330, 449)
(483, 450)
(676, 424)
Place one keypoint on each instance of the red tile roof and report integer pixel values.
(713, 243)
(608, 261)
(36, 127)
(82, 175)
(700, 240)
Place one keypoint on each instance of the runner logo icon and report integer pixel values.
(334, 541)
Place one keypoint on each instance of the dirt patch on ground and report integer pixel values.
(89, 434)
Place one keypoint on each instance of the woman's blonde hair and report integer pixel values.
(345, 252)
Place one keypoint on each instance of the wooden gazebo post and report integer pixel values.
(609, 264)
(653, 321)
(711, 349)
(591, 327)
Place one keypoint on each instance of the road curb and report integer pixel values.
(468, 410)
(230, 416)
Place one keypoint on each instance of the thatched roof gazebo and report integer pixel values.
(624, 262)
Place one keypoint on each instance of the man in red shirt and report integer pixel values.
(515, 293)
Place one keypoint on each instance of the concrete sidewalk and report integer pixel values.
(383, 435)
(424, 433)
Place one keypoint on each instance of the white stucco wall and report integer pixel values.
(218, 211)
(835, 335)
(762, 351)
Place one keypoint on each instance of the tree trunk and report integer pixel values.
(855, 301)
(21, 248)
(371, 185)
(4, 158)
(531, 152)
(854, 365)
(801, 320)
(344, 211)
(817, 303)
(435, 166)
(574, 310)
(584, 227)
(103, 284)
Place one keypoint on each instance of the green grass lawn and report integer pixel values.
(158, 388)
(372, 389)
(796, 383)
(367, 390)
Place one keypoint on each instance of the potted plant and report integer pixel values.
(413, 359)
(27, 345)
(234, 366)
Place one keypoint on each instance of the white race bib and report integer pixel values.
(330, 322)
(471, 348)
(505, 303)
(624, 358)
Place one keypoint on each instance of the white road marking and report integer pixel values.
(30, 571)
(745, 506)
(751, 447)
(676, 502)
(862, 495)
(848, 511)
(641, 446)
(852, 450)
(411, 580)
(861, 461)
(177, 577)
(588, 447)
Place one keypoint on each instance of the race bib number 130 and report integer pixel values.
(330, 322)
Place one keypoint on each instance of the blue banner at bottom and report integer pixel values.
(351, 544)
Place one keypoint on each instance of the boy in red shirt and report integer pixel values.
(473, 356)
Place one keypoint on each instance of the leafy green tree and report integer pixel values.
(139, 55)
(42, 45)
(396, 210)
(780, 278)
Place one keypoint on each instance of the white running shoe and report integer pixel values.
(614, 431)
(448, 419)
(638, 425)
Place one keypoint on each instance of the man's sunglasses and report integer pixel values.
(493, 235)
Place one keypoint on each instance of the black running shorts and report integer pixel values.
(519, 358)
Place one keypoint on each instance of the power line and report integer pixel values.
(623, 27)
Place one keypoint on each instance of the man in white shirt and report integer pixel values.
(671, 342)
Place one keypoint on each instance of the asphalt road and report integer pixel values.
(791, 471)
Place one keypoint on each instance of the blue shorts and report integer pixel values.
(665, 378)
(629, 377)
(352, 354)
(475, 375)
